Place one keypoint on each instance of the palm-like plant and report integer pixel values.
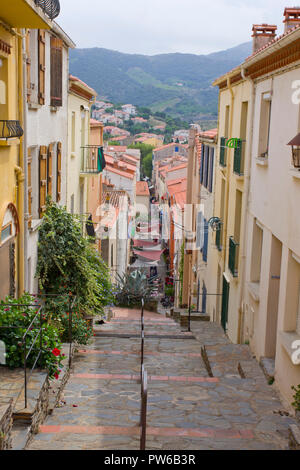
(132, 288)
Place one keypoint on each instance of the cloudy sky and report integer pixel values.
(162, 26)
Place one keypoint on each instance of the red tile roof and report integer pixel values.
(142, 188)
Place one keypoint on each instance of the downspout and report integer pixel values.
(26, 208)
(247, 196)
(19, 170)
(228, 173)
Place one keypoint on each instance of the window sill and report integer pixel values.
(9, 142)
(295, 173)
(239, 176)
(287, 340)
(34, 106)
(35, 225)
(253, 288)
(54, 109)
(73, 155)
(262, 161)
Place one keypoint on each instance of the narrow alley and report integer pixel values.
(187, 409)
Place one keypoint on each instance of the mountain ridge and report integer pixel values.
(177, 83)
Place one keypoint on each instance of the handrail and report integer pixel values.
(144, 384)
(31, 346)
(144, 399)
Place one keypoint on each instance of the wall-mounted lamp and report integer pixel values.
(295, 144)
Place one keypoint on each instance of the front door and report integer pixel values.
(7, 270)
(225, 303)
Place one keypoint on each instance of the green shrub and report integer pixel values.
(296, 403)
(18, 319)
(69, 264)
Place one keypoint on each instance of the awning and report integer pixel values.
(150, 255)
(144, 244)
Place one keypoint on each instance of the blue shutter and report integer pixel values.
(205, 246)
(204, 298)
(212, 162)
(202, 164)
(206, 166)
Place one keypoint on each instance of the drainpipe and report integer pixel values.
(228, 173)
(19, 171)
(247, 196)
(26, 208)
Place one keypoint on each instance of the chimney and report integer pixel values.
(291, 18)
(262, 35)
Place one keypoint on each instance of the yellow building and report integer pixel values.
(14, 17)
(82, 163)
(231, 196)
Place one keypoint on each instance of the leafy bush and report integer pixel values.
(18, 319)
(296, 403)
(68, 263)
(170, 291)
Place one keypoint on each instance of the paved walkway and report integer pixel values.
(187, 409)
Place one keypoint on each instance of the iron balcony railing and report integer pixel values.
(50, 7)
(223, 152)
(238, 165)
(10, 129)
(233, 257)
(90, 159)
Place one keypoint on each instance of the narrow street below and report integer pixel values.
(187, 409)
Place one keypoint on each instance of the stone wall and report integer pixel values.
(6, 423)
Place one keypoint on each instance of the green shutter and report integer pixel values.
(223, 151)
(238, 155)
(225, 303)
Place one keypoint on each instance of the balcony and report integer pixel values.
(10, 129)
(238, 165)
(50, 7)
(92, 158)
(29, 13)
(223, 152)
(233, 257)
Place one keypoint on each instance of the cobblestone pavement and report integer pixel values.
(187, 409)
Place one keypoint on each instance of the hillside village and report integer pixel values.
(149, 267)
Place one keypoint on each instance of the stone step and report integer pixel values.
(20, 435)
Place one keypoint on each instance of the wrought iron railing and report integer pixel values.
(238, 164)
(233, 257)
(28, 348)
(90, 159)
(50, 7)
(10, 129)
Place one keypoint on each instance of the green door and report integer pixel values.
(225, 302)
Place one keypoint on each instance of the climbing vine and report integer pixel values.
(69, 264)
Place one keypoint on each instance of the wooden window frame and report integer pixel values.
(42, 65)
(56, 72)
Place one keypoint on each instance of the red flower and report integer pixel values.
(56, 352)
(56, 375)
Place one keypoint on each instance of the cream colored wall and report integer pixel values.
(241, 92)
(74, 179)
(274, 202)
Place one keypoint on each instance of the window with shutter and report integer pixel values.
(206, 165)
(42, 65)
(202, 164)
(58, 172)
(42, 180)
(211, 176)
(28, 66)
(56, 71)
(50, 170)
(204, 298)
(200, 231)
(205, 242)
(29, 178)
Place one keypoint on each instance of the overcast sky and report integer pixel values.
(162, 26)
